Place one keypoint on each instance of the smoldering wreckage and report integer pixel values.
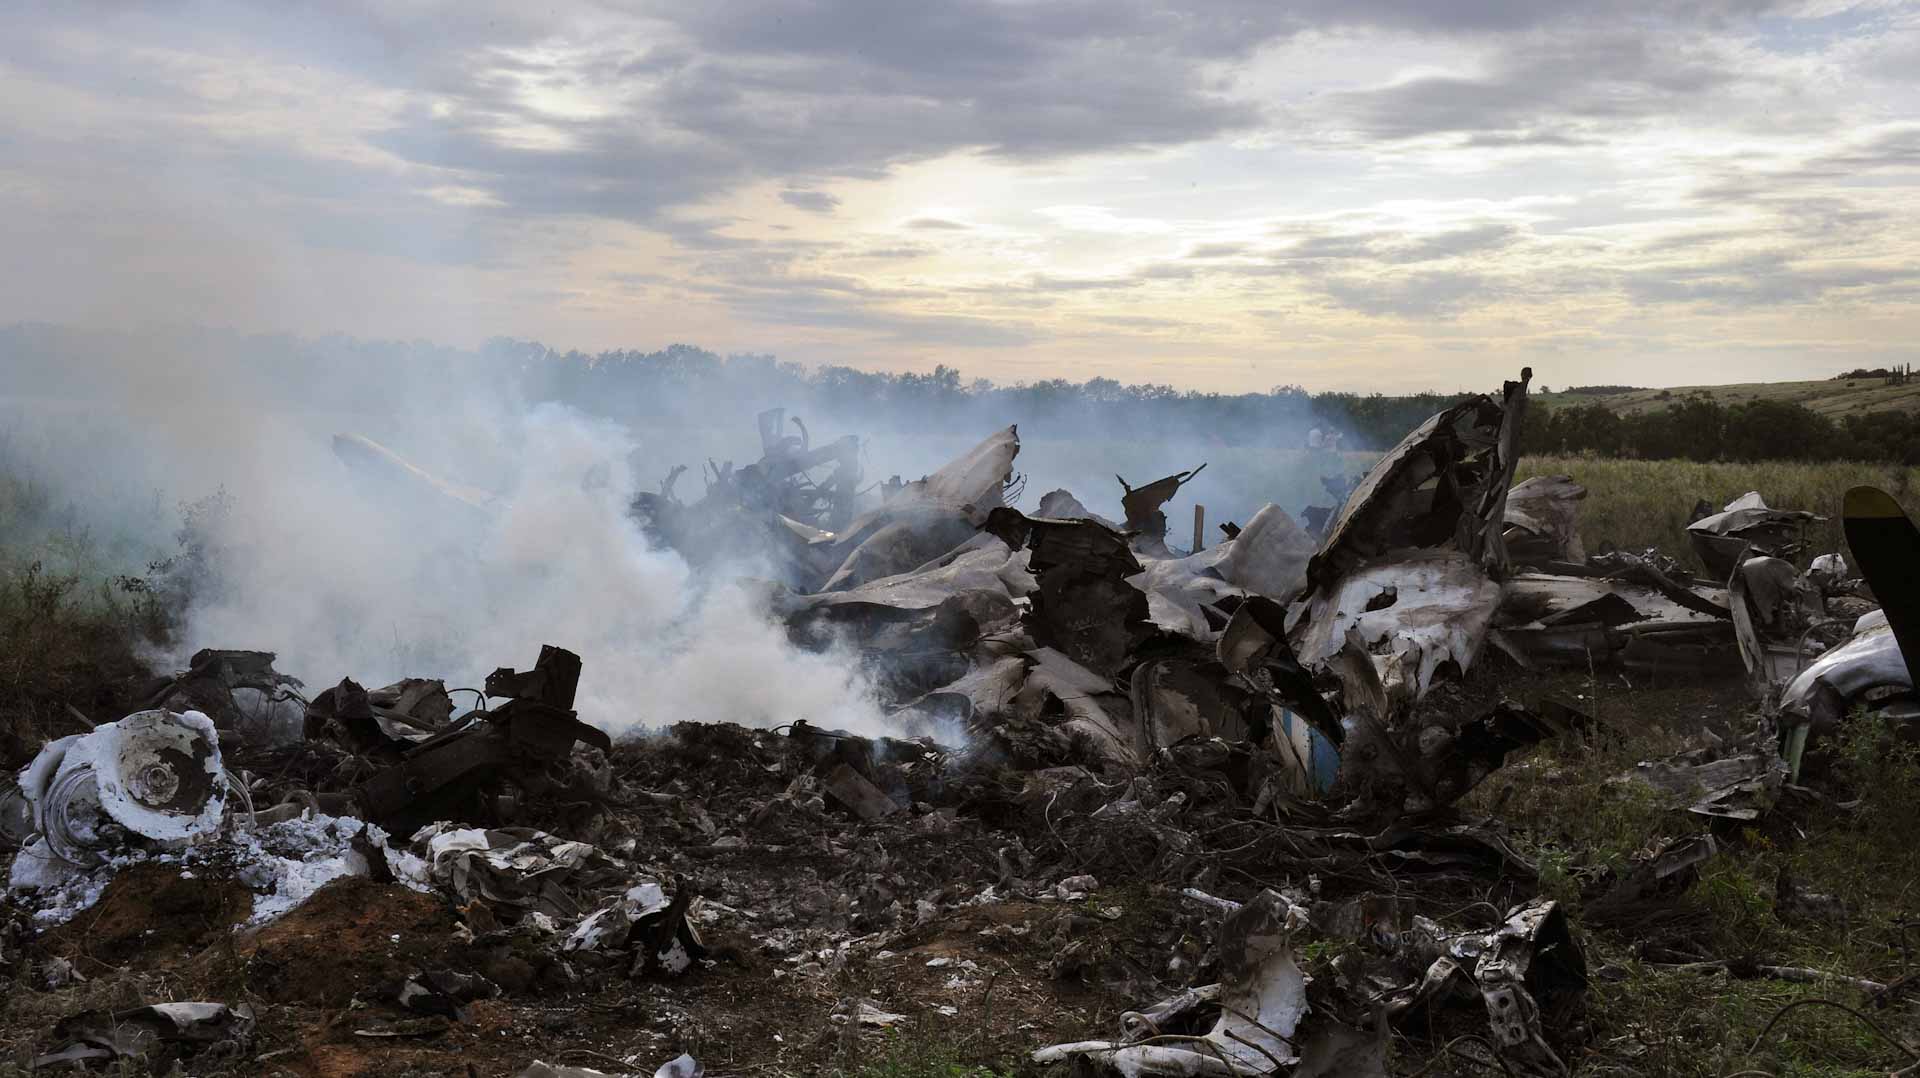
(1267, 732)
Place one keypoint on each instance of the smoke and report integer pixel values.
(344, 572)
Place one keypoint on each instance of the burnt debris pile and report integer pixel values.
(1151, 811)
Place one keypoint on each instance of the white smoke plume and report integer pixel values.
(344, 574)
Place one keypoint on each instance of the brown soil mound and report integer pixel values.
(351, 938)
(151, 917)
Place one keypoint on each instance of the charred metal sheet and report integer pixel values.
(1189, 696)
(894, 540)
(1254, 646)
(1652, 883)
(1737, 781)
(1747, 525)
(382, 720)
(1407, 584)
(102, 1036)
(1445, 484)
(1262, 1005)
(210, 682)
(1420, 758)
(853, 792)
(1557, 620)
(452, 775)
(1188, 596)
(1083, 604)
(1142, 504)
(1086, 704)
(1542, 520)
(1062, 505)
(1528, 975)
(1660, 575)
(1532, 977)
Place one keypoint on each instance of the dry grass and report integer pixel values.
(1581, 826)
(1828, 397)
(1636, 504)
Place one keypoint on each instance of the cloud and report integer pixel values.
(811, 201)
(1477, 239)
(1552, 90)
(1762, 280)
(588, 172)
(1217, 250)
(1434, 294)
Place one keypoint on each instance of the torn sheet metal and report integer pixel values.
(1542, 522)
(239, 690)
(1414, 613)
(154, 776)
(989, 688)
(1254, 646)
(1269, 556)
(1083, 604)
(979, 579)
(1528, 975)
(926, 518)
(1652, 883)
(1093, 706)
(392, 717)
(187, 1028)
(1410, 575)
(518, 867)
(1062, 505)
(1187, 596)
(1261, 1004)
(1738, 781)
(1418, 759)
(1559, 620)
(1142, 505)
(645, 922)
(1180, 697)
(1444, 485)
(894, 540)
(1867, 669)
(1747, 526)
(1773, 607)
(977, 477)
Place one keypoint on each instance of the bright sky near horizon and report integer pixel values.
(1237, 194)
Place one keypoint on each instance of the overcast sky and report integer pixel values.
(1234, 194)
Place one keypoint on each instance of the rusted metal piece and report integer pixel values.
(447, 776)
(1142, 504)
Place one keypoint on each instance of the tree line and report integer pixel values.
(682, 385)
(641, 385)
(659, 386)
(1697, 427)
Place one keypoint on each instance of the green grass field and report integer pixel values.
(1636, 504)
(1828, 397)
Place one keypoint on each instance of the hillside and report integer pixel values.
(1829, 397)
